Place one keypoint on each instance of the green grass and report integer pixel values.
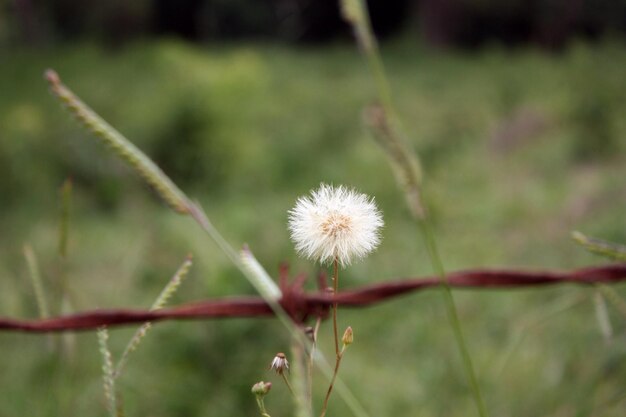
(248, 128)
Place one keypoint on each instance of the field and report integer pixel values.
(519, 148)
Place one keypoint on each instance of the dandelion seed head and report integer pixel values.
(335, 223)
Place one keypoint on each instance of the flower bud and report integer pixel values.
(348, 337)
(280, 363)
(261, 388)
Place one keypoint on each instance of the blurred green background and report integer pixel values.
(520, 145)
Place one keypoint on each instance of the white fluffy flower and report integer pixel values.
(335, 223)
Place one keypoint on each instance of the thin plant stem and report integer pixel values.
(535, 319)
(64, 220)
(408, 170)
(310, 362)
(335, 289)
(261, 405)
(332, 382)
(356, 13)
(338, 353)
(66, 304)
(35, 277)
(288, 384)
(613, 296)
(300, 381)
(602, 315)
(38, 287)
(453, 316)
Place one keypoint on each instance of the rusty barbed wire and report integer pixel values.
(300, 304)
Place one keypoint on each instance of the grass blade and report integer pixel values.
(602, 315)
(35, 278)
(64, 220)
(143, 165)
(299, 378)
(261, 280)
(159, 303)
(600, 247)
(65, 305)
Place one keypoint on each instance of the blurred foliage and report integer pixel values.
(461, 23)
(248, 128)
(595, 117)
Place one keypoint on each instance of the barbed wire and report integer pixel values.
(300, 304)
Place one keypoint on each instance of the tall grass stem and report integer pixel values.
(35, 278)
(406, 165)
(300, 373)
(453, 315)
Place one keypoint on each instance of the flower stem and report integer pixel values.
(261, 405)
(332, 382)
(338, 353)
(288, 384)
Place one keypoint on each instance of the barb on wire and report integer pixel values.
(300, 305)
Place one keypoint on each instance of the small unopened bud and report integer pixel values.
(261, 388)
(348, 337)
(280, 363)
